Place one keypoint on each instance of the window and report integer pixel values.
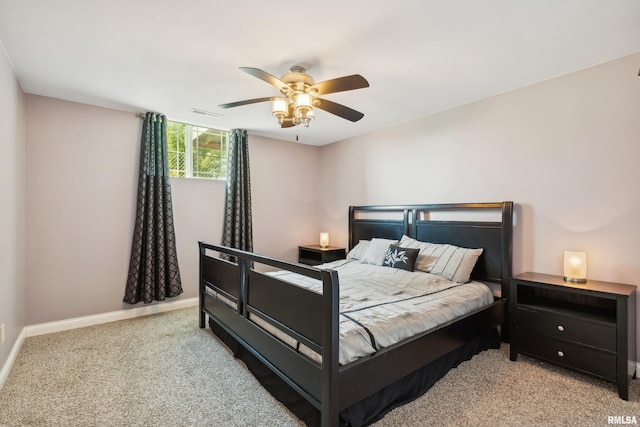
(196, 151)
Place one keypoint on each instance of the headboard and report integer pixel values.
(463, 229)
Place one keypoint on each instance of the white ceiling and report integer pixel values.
(419, 56)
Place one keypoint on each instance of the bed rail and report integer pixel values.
(280, 304)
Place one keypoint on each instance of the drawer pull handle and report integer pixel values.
(560, 328)
(560, 353)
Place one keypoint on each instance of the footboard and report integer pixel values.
(246, 302)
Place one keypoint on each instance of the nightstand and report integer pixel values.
(589, 327)
(314, 254)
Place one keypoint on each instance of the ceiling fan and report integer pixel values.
(301, 96)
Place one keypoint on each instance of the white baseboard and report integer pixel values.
(81, 322)
(4, 373)
(97, 319)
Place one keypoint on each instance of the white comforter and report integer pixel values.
(380, 306)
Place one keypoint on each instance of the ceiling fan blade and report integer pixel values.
(341, 84)
(246, 102)
(263, 75)
(287, 124)
(338, 109)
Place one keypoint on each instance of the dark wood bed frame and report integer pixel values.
(312, 318)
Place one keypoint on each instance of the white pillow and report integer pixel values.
(358, 250)
(448, 261)
(377, 250)
(455, 263)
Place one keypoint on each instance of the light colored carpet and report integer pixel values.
(162, 370)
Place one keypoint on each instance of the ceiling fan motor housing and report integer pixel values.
(297, 79)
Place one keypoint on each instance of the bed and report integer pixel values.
(289, 335)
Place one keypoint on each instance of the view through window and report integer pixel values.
(196, 151)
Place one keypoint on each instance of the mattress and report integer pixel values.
(381, 306)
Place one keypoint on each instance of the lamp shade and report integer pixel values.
(575, 267)
(324, 240)
(303, 100)
(279, 107)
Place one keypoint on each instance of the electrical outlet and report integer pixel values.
(2, 333)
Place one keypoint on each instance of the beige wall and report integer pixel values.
(81, 181)
(566, 151)
(12, 193)
(81, 192)
(284, 191)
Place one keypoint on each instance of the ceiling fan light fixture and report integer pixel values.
(302, 101)
(303, 108)
(303, 116)
(280, 108)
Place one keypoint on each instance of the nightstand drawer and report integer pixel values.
(553, 325)
(596, 362)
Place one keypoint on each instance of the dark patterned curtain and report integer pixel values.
(153, 268)
(237, 232)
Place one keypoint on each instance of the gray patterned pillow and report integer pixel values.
(402, 258)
